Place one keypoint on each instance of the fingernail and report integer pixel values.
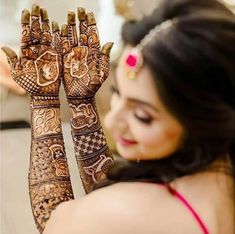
(64, 30)
(25, 16)
(107, 48)
(55, 26)
(44, 14)
(81, 13)
(35, 10)
(90, 18)
(71, 18)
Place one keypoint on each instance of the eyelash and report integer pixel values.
(147, 120)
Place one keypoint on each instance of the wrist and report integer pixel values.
(43, 101)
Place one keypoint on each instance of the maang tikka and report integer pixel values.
(134, 60)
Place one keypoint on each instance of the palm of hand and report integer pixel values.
(38, 68)
(85, 66)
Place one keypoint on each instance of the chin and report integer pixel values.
(126, 153)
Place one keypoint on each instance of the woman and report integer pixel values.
(172, 117)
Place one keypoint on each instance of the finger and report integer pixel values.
(72, 32)
(56, 40)
(11, 56)
(35, 25)
(92, 32)
(104, 61)
(106, 49)
(82, 26)
(46, 31)
(25, 32)
(64, 37)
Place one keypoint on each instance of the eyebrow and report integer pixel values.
(134, 100)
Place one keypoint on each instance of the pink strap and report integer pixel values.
(196, 216)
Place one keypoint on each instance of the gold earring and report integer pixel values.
(138, 160)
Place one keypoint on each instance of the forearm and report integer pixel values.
(49, 180)
(92, 153)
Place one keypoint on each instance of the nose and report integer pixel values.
(116, 117)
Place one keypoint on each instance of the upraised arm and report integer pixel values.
(85, 68)
(38, 71)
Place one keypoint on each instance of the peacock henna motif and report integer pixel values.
(83, 116)
(93, 169)
(46, 121)
(97, 170)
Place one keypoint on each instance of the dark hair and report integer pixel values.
(192, 63)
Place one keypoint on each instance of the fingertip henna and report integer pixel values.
(44, 14)
(81, 13)
(25, 16)
(55, 26)
(91, 19)
(35, 10)
(71, 18)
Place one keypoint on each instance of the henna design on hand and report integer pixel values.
(38, 71)
(92, 153)
(83, 116)
(38, 68)
(46, 121)
(85, 66)
(49, 180)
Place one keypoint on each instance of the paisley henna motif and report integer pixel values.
(46, 121)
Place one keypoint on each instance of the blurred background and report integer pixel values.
(16, 217)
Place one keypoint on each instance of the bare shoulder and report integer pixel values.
(119, 208)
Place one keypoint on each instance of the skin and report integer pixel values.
(143, 129)
(137, 208)
(138, 115)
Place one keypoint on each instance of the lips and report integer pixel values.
(125, 142)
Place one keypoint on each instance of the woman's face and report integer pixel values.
(139, 122)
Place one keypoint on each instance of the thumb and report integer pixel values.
(106, 49)
(11, 55)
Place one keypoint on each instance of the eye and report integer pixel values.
(143, 117)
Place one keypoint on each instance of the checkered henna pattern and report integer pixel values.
(38, 71)
(85, 68)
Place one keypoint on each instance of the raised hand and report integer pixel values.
(85, 66)
(38, 71)
(38, 67)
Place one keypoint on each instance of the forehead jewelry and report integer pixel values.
(134, 59)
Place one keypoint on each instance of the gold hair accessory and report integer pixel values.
(134, 59)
